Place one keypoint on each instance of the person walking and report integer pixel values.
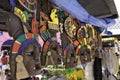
(5, 63)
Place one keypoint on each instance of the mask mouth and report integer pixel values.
(37, 69)
(37, 64)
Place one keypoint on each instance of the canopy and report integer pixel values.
(100, 8)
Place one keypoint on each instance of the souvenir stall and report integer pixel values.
(59, 39)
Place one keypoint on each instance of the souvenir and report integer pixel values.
(69, 56)
(81, 35)
(84, 54)
(69, 26)
(53, 25)
(109, 56)
(54, 17)
(51, 53)
(90, 35)
(20, 48)
(20, 14)
(30, 5)
(110, 59)
(75, 74)
(21, 71)
(43, 18)
(45, 34)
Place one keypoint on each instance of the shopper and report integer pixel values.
(5, 61)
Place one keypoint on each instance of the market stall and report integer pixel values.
(72, 46)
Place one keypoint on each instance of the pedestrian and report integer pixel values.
(5, 61)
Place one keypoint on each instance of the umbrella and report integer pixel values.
(7, 43)
(78, 12)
